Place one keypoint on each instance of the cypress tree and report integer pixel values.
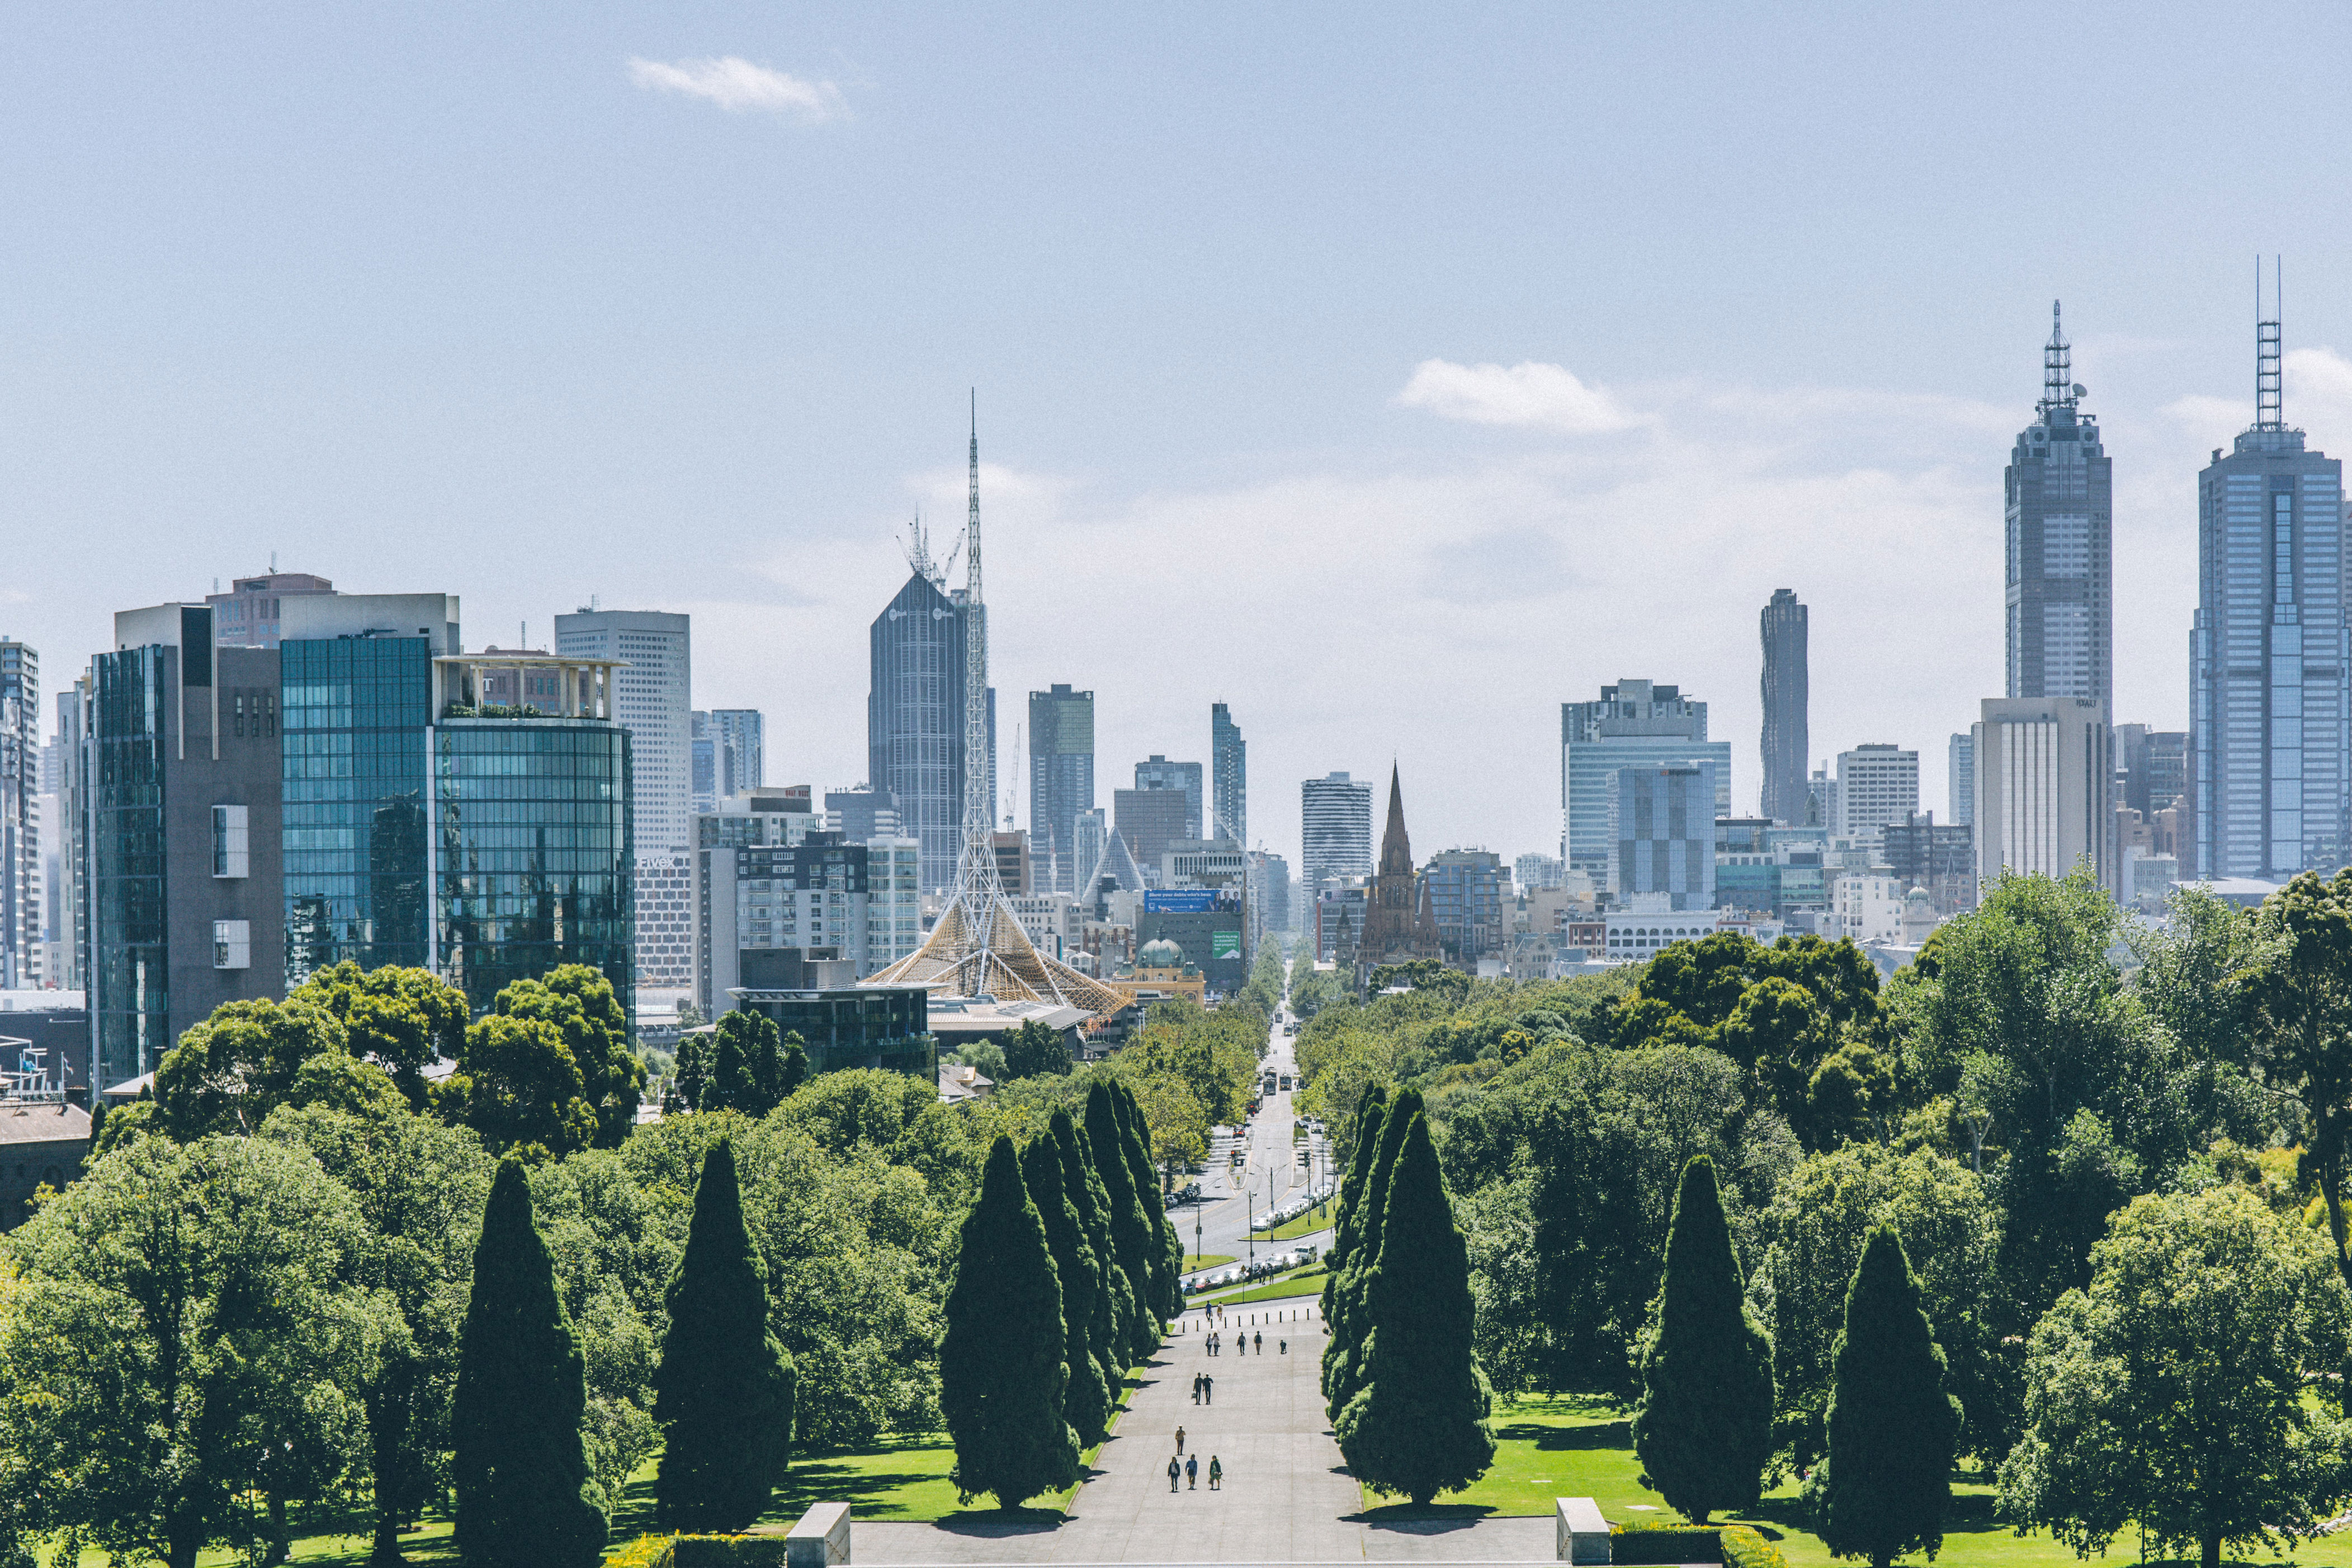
(1167, 1252)
(1418, 1425)
(1703, 1425)
(519, 1467)
(1116, 1309)
(1085, 1400)
(1344, 1356)
(1347, 1222)
(1891, 1425)
(1001, 1371)
(1131, 1239)
(723, 1394)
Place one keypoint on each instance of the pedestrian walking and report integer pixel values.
(1196, 1388)
(1282, 1347)
(1216, 1472)
(1174, 1470)
(1208, 1390)
(1193, 1473)
(1179, 1440)
(1261, 1343)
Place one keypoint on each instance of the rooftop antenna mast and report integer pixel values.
(980, 855)
(2270, 410)
(2057, 367)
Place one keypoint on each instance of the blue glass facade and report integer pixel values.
(128, 916)
(914, 718)
(1465, 894)
(354, 715)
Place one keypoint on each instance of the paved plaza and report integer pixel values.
(1284, 1498)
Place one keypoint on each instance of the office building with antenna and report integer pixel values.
(915, 740)
(2058, 539)
(2270, 722)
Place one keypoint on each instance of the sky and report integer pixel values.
(1391, 373)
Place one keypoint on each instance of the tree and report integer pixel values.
(1419, 1423)
(1891, 1425)
(402, 1019)
(2170, 1393)
(1132, 1242)
(229, 1071)
(1001, 1375)
(1167, 1252)
(579, 1002)
(745, 1064)
(520, 1469)
(1033, 1049)
(1115, 1307)
(519, 1085)
(187, 1335)
(1086, 1401)
(2298, 991)
(419, 1186)
(1702, 1426)
(724, 1392)
(1348, 1222)
(1343, 1352)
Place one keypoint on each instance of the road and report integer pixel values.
(1219, 1223)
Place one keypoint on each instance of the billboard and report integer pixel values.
(1182, 901)
(1225, 944)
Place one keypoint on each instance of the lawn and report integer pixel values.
(1307, 1281)
(1196, 1261)
(1319, 1217)
(1547, 1448)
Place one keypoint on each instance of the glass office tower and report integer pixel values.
(915, 716)
(130, 1001)
(2059, 527)
(1061, 782)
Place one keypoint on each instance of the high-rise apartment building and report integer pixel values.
(653, 698)
(1961, 783)
(1150, 820)
(2045, 788)
(1467, 892)
(915, 712)
(1878, 785)
(1635, 723)
(1229, 775)
(1061, 783)
(1159, 773)
(2061, 575)
(2270, 722)
(249, 614)
(1336, 836)
(1788, 746)
(728, 744)
(20, 815)
(1662, 832)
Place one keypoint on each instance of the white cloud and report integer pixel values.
(738, 86)
(1530, 395)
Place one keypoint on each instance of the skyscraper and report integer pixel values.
(20, 817)
(2270, 730)
(1061, 783)
(2045, 789)
(655, 703)
(1961, 780)
(1635, 723)
(1336, 836)
(1878, 785)
(729, 747)
(1229, 769)
(914, 712)
(1150, 820)
(1787, 744)
(2060, 575)
(1159, 773)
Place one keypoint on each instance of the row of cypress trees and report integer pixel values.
(1400, 1380)
(723, 1393)
(1066, 1275)
(1703, 1428)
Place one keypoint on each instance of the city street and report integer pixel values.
(1270, 1174)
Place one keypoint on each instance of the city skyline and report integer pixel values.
(673, 400)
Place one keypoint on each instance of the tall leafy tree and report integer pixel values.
(1115, 1307)
(1343, 1351)
(402, 1019)
(745, 1064)
(519, 1087)
(2172, 1391)
(520, 1467)
(1132, 1242)
(724, 1391)
(419, 1185)
(579, 1002)
(186, 1335)
(1033, 1048)
(1891, 1426)
(1702, 1426)
(2298, 990)
(1167, 1249)
(1002, 1372)
(1086, 1401)
(229, 1071)
(1418, 1425)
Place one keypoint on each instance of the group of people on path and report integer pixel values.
(1188, 1467)
(1215, 1345)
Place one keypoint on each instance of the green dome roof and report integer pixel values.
(1160, 954)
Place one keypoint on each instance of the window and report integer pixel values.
(229, 843)
(232, 944)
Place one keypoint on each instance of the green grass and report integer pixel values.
(1316, 1219)
(1550, 1448)
(1195, 1261)
(1307, 1281)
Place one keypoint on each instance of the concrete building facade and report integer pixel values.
(2045, 789)
(1336, 833)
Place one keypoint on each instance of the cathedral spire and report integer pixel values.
(1396, 845)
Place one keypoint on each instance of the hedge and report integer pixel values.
(700, 1551)
(1734, 1546)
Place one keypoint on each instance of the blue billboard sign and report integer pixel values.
(1181, 901)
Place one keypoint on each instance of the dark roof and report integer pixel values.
(56, 1123)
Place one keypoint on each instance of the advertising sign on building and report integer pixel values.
(1181, 900)
(1225, 944)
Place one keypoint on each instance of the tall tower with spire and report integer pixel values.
(2270, 722)
(2059, 538)
(977, 947)
(1400, 920)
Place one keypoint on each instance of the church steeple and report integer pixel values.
(1396, 847)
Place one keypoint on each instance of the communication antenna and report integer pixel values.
(2058, 389)
(2270, 403)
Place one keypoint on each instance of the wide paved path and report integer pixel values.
(1284, 1498)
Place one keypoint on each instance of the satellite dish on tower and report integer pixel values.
(2078, 390)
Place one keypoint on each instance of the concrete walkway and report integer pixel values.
(1284, 1497)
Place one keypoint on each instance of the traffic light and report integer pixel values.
(1303, 1157)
